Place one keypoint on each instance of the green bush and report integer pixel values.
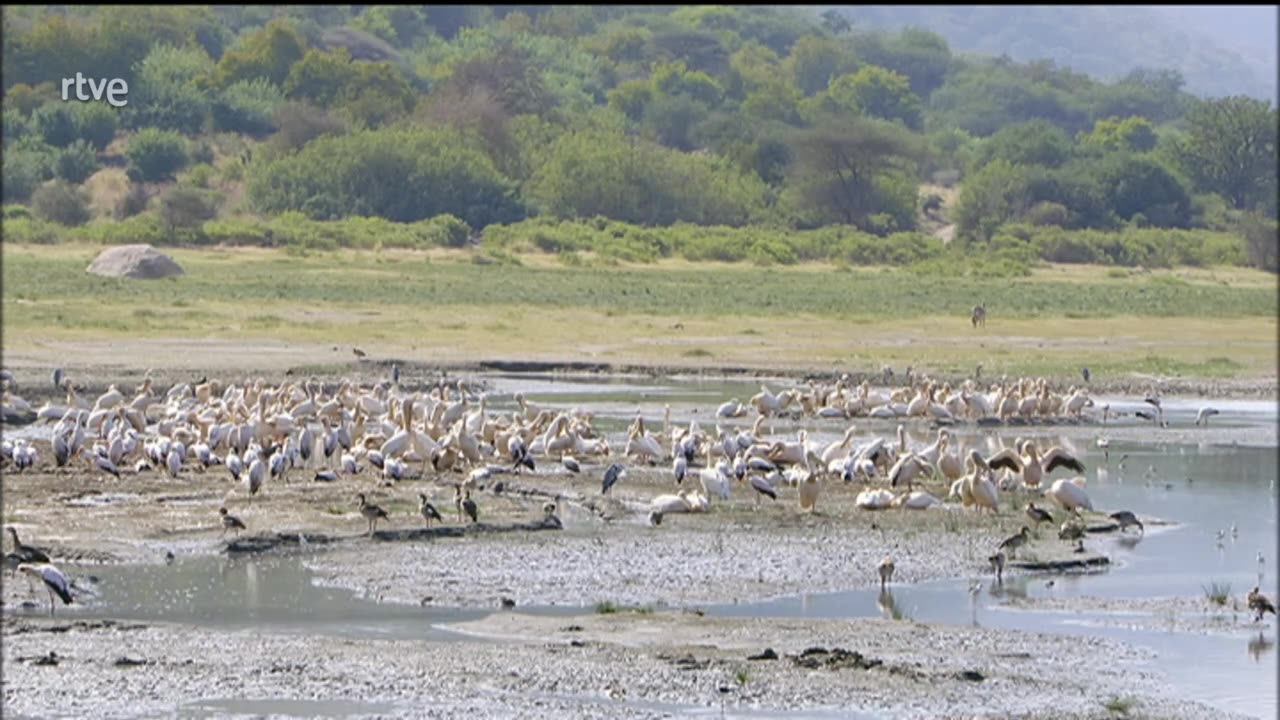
(145, 229)
(200, 175)
(61, 203)
(248, 107)
(96, 123)
(401, 174)
(76, 162)
(157, 154)
(25, 165)
(29, 230)
(56, 124)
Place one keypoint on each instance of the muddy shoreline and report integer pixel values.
(34, 384)
(623, 666)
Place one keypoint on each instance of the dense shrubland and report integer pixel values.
(699, 132)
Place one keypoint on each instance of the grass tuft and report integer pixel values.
(1217, 593)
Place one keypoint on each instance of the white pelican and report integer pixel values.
(1069, 495)
(677, 503)
(809, 493)
(983, 491)
(877, 499)
(917, 500)
(731, 409)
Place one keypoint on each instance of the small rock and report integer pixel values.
(576, 643)
(768, 654)
(971, 675)
(573, 628)
(508, 603)
(50, 659)
(128, 662)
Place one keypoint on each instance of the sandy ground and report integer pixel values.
(616, 666)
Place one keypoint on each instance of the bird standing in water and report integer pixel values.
(1260, 604)
(55, 582)
(997, 562)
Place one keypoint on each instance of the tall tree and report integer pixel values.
(844, 166)
(1231, 150)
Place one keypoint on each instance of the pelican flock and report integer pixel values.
(264, 435)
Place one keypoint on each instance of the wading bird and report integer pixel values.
(1204, 415)
(470, 508)
(612, 475)
(429, 511)
(54, 582)
(1126, 518)
(372, 513)
(1013, 542)
(230, 522)
(1260, 604)
(885, 568)
(27, 553)
(1038, 515)
(997, 562)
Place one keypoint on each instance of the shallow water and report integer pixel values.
(1204, 488)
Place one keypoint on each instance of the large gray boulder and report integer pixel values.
(134, 261)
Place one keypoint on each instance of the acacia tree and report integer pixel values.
(1230, 149)
(847, 168)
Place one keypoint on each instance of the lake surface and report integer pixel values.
(1202, 488)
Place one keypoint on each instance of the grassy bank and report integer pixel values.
(444, 306)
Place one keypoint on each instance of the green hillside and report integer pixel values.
(712, 132)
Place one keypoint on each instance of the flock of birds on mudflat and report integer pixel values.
(261, 433)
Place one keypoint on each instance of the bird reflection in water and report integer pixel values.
(1128, 542)
(889, 606)
(1260, 646)
(1012, 588)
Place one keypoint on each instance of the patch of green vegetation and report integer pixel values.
(1217, 593)
(697, 352)
(692, 291)
(1120, 706)
(608, 607)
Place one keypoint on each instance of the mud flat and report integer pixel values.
(624, 665)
